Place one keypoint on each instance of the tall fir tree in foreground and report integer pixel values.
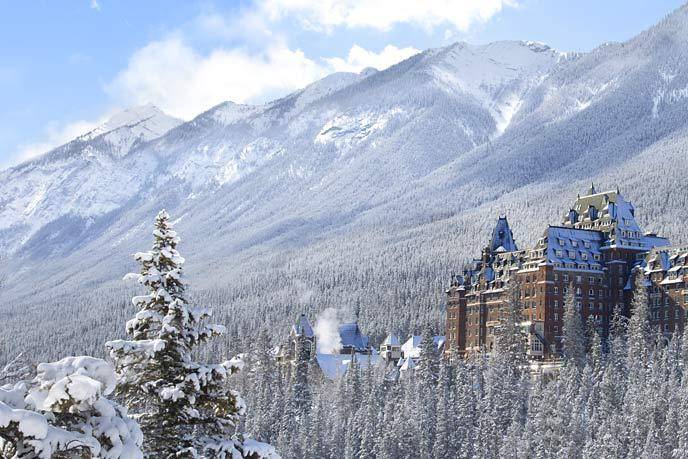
(185, 408)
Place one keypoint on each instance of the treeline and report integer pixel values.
(621, 396)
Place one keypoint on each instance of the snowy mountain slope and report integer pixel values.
(360, 182)
(85, 178)
(340, 135)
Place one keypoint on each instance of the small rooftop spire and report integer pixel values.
(591, 191)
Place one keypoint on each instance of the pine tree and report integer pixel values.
(443, 413)
(185, 408)
(639, 332)
(369, 413)
(573, 341)
(265, 384)
(426, 378)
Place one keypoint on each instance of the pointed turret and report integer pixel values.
(302, 327)
(591, 190)
(502, 237)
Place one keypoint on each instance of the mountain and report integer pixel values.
(85, 179)
(360, 192)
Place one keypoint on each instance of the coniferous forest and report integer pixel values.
(299, 185)
(621, 395)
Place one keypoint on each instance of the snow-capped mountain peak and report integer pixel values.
(141, 123)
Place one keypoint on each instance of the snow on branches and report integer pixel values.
(185, 408)
(64, 411)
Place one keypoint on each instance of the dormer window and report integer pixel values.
(572, 254)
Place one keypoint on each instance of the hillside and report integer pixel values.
(359, 192)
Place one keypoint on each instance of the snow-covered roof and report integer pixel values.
(351, 336)
(334, 366)
(302, 327)
(572, 248)
(611, 213)
(670, 261)
(407, 364)
(391, 340)
(411, 348)
(502, 237)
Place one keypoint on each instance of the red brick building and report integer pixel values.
(593, 252)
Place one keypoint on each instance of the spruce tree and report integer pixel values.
(185, 408)
(639, 331)
(573, 341)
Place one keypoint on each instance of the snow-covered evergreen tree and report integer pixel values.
(64, 412)
(185, 408)
(639, 332)
(573, 341)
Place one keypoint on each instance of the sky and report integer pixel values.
(67, 66)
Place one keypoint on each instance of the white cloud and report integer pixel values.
(183, 82)
(360, 58)
(95, 5)
(383, 14)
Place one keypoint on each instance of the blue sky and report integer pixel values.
(66, 66)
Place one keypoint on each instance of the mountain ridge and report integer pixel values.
(374, 186)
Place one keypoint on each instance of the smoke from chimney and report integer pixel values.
(327, 332)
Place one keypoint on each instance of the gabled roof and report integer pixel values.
(351, 336)
(411, 348)
(391, 340)
(610, 213)
(302, 327)
(573, 246)
(334, 366)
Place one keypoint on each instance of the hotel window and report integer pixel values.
(574, 243)
(572, 254)
(556, 303)
(566, 279)
(578, 279)
(587, 244)
(584, 256)
(592, 292)
(591, 280)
